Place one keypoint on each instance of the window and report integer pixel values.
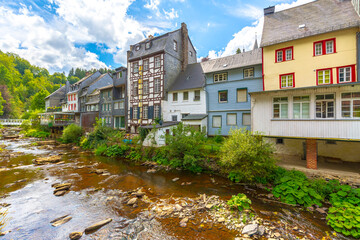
(346, 74)
(190, 52)
(116, 105)
(147, 45)
(135, 67)
(146, 87)
(122, 105)
(325, 106)
(301, 107)
(241, 95)
(145, 112)
(231, 119)
(157, 62)
(223, 96)
(327, 46)
(197, 95)
(175, 97)
(157, 111)
(74, 97)
(219, 77)
(174, 118)
(185, 96)
(287, 80)
(157, 86)
(279, 141)
(184, 115)
(146, 65)
(137, 47)
(135, 89)
(216, 121)
(175, 46)
(246, 121)
(248, 72)
(284, 54)
(280, 107)
(350, 105)
(122, 92)
(324, 76)
(109, 106)
(135, 112)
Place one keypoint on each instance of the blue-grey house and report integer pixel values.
(229, 80)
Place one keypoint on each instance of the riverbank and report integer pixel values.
(170, 197)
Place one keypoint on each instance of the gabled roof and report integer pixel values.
(60, 91)
(310, 19)
(192, 77)
(158, 44)
(243, 59)
(192, 117)
(106, 87)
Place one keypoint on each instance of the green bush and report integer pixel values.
(26, 125)
(143, 132)
(72, 134)
(100, 150)
(184, 147)
(325, 188)
(240, 201)
(344, 218)
(37, 134)
(134, 155)
(100, 135)
(116, 150)
(160, 156)
(295, 188)
(246, 156)
(347, 194)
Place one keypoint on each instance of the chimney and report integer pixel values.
(185, 46)
(269, 10)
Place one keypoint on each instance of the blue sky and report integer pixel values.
(60, 34)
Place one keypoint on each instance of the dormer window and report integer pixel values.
(148, 45)
(190, 53)
(175, 46)
(137, 47)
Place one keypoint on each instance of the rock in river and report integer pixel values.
(46, 160)
(132, 201)
(98, 225)
(75, 235)
(250, 229)
(61, 220)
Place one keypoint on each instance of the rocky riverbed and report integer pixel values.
(42, 182)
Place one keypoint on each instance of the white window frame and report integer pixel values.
(318, 51)
(157, 61)
(332, 46)
(145, 87)
(287, 56)
(282, 104)
(135, 67)
(302, 101)
(157, 85)
(351, 99)
(146, 65)
(287, 80)
(175, 46)
(343, 71)
(135, 112)
(156, 111)
(145, 112)
(279, 56)
(325, 102)
(323, 76)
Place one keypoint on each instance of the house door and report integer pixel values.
(122, 122)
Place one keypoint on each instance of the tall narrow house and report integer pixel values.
(153, 65)
(310, 106)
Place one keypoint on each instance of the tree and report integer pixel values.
(38, 100)
(2, 102)
(238, 51)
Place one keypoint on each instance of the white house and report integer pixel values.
(186, 100)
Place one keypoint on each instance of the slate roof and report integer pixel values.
(191, 117)
(192, 77)
(234, 61)
(158, 44)
(59, 91)
(319, 17)
(106, 87)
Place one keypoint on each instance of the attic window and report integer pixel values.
(302, 26)
(190, 53)
(148, 45)
(225, 65)
(137, 47)
(175, 46)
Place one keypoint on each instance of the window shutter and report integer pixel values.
(138, 113)
(131, 113)
(151, 112)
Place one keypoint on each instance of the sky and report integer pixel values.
(64, 34)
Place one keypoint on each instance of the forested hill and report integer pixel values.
(24, 86)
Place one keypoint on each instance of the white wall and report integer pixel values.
(180, 107)
(337, 128)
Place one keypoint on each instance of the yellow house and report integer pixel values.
(310, 105)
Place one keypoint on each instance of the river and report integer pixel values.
(94, 197)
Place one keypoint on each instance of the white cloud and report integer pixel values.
(171, 14)
(246, 11)
(56, 44)
(245, 38)
(152, 4)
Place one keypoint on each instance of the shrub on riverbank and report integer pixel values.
(72, 134)
(37, 134)
(246, 156)
(240, 201)
(183, 147)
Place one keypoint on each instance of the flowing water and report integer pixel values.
(95, 197)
